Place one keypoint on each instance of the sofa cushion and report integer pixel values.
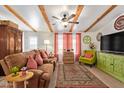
(47, 68)
(30, 53)
(46, 76)
(16, 60)
(34, 81)
(31, 64)
(36, 71)
(38, 59)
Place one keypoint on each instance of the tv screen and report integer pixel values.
(113, 42)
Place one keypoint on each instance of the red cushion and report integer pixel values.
(31, 64)
(87, 55)
(43, 54)
(38, 59)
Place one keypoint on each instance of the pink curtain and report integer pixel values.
(78, 46)
(64, 41)
(56, 44)
(67, 41)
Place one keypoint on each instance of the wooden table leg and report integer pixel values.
(14, 84)
(25, 83)
(7, 84)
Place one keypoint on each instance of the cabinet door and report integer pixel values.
(10, 42)
(109, 63)
(18, 45)
(3, 47)
(123, 68)
(119, 65)
(102, 59)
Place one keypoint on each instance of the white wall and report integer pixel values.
(41, 36)
(107, 29)
(93, 39)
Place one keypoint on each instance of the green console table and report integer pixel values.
(112, 64)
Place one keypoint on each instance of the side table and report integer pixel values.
(19, 78)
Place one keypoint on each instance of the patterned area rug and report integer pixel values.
(77, 76)
(2, 82)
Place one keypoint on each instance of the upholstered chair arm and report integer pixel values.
(5, 67)
(47, 61)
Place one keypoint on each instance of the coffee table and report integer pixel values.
(19, 78)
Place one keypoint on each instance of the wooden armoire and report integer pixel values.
(10, 41)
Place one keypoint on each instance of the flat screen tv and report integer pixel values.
(113, 42)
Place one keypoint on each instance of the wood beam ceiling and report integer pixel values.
(10, 9)
(101, 17)
(78, 12)
(44, 14)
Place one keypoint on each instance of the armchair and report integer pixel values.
(88, 59)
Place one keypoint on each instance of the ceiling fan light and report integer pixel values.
(64, 23)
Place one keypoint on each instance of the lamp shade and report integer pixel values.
(46, 42)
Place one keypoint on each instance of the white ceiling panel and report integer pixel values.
(89, 15)
(6, 15)
(32, 14)
(119, 10)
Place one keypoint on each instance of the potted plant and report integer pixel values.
(14, 70)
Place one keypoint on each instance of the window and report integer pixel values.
(33, 42)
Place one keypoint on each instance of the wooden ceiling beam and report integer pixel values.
(78, 12)
(44, 14)
(101, 17)
(10, 9)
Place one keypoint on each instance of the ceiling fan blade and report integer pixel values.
(55, 17)
(73, 22)
(71, 16)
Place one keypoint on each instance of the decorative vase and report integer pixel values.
(23, 71)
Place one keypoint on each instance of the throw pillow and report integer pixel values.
(31, 64)
(43, 54)
(38, 59)
(46, 53)
(88, 55)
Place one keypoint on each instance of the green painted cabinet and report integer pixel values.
(119, 66)
(101, 61)
(112, 64)
(109, 63)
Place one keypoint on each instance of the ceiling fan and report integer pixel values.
(66, 19)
